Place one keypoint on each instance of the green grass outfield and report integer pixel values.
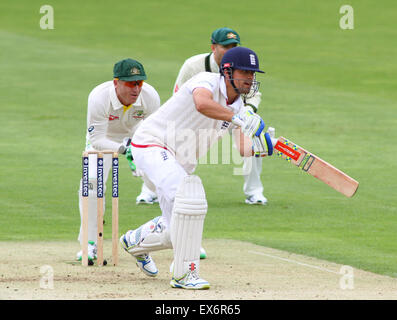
(330, 90)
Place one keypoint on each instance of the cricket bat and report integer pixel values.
(315, 166)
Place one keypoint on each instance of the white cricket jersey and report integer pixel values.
(178, 127)
(195, 65)
(109, 121)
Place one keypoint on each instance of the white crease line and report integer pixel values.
(293, 261)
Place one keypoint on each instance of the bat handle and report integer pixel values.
(274, 141)
(272, 133)
(270, 130)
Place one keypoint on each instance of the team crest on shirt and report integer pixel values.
(112, 117)
(225, 125)
(138, 114)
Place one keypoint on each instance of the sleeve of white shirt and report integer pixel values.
(97, 123)
(202, 81)
(185, 73)
(153, 99)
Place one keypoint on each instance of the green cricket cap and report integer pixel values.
(129, 70)
(225, 36)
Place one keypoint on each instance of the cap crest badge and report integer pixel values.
(135, 71)
(252, 59)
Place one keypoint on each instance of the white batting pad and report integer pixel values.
(151, 236)
(190, 208)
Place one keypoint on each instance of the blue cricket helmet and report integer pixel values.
(240, 58)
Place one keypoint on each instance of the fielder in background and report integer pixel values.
(167, 146)
(115, 110)
(222, 40)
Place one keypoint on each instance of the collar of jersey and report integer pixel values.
(236, 105)
(213, 65)
(222, 87)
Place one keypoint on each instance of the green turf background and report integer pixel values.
(330, 90)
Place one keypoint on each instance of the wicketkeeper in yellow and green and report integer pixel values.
(115, 110)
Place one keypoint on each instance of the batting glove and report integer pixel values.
(262, 145)
(251, 107)
(130, 159)
(124, 146)
(250, 123)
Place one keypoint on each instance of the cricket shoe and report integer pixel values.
(92, 252)
(256, 199)
(190, 281)
(143, 261)
(147, 265)
(146, 199)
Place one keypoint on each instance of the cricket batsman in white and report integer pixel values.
(115, 110)
(167, 146)
(223, 39)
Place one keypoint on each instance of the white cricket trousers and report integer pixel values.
(164, 172)
(252, 179)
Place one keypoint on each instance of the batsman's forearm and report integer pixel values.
(215, 111)
(205, 104)
(243, 143)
